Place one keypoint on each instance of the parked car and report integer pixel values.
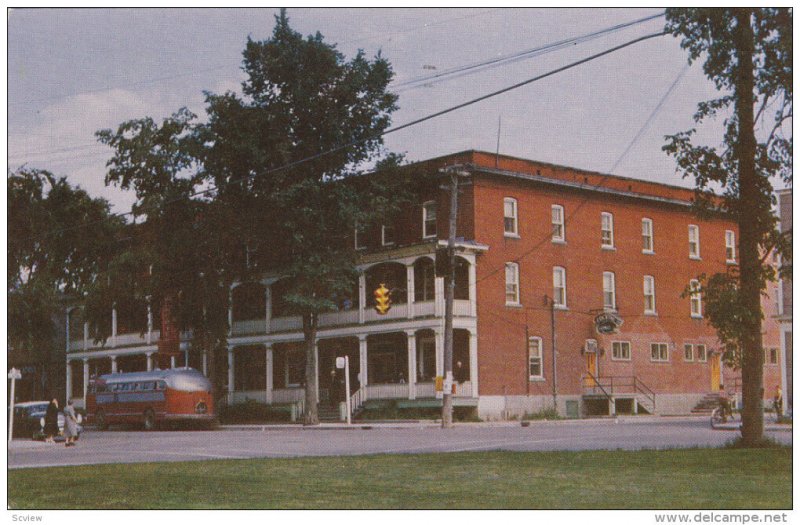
(29, 420)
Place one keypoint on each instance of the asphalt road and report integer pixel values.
(135, 446)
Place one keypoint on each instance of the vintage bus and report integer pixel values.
(150, 398)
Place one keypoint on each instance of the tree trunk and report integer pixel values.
(311, 415)
(750, 282)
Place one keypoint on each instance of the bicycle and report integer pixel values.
(721, 415)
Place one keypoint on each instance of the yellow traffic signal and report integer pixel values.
(382, 300)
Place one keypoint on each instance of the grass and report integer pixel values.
(649, 479)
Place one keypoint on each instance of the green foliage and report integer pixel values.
(391, 410)
(546, 413)
(251, 411)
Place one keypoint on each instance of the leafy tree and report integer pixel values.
(48, 261)
(176, 255)
(287, 156)
(747, 53)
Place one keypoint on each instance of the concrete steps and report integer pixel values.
(706, 405)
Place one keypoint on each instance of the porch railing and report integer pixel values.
(609, 386)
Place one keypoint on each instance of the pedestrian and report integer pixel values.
(778, 402)
(70, 425)
(51, 421)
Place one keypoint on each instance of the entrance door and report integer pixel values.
(591, 367)
(716, 378)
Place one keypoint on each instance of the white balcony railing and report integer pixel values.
(424, 308)
(252, 326)
(387, 391)
(397, 311)
(288, 395)
(286, 324)
(461, 308)
(339, 318)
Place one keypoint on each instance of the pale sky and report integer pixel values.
(74, 71)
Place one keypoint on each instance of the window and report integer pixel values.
(358, 238)
(387, 235)
(730, 246)
(609, 291)
(621, 350)
(695, 300)
(510, 217)
(694, 242)
(429, 219)
(649, 294)
(535, 369)
(702, 355)
(512, 283)
(647, 235)
(659, 352)
(559, 287)
(607, 230)
(557, 218)
(771, 356)
(688, 352)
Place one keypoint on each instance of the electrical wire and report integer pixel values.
(387, 132)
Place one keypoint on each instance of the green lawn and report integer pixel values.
(673, 479)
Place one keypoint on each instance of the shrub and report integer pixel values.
(546, 413)
(251, 411)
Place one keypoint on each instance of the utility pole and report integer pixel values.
(450, 286)
(553, 337)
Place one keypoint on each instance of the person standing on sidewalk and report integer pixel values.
(51, 421)
(70, 424)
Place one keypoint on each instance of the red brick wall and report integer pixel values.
(502, 329)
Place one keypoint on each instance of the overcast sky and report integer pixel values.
(72, 72)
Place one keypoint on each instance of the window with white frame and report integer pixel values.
(702, 355)
(649, 294)
(606, 230)
(387, 234)
(688, 352)
(694, 241)
(429, 219)
(779, 297)
(510, 217)
(557, 219)
(730, 246)
(535, 367)
(647, 235)
(559, 287)
(621, 350)
(609, 291)
(695, 299)
(512, 283)
(659, 352)
(358, 238)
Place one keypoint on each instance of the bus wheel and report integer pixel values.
(149, 419)
(100, 419)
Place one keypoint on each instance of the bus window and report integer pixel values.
(148, 386)
(161, 385)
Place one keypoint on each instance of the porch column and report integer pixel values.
(230, 372)
(268, 312)
(438, 304)
(205, 362)
(149, 337)
(316, 366)
(270, 365)
(410, 288)
(473, 289)
(362, 297)
(85, 336)
(784, 329)
(411, 335)
(172, 361)
(69, 379)
(230, 310)
(85, 378)
(67, 333)
(149, 361)
(113, 364)
(439, 338)
(362, 360)
(114, 326)
(473, 361)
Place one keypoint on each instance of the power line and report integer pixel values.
(392, 130)
(522, 55)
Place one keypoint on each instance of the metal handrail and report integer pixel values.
(607, 382)
(356, 400)
(596, 384)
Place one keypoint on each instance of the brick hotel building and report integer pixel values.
(569, 290)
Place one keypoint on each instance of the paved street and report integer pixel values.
(133, 446)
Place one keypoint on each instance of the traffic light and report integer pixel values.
(382, 300)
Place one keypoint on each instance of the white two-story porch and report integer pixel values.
(392, 356)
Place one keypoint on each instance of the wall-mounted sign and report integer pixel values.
(607, 323)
